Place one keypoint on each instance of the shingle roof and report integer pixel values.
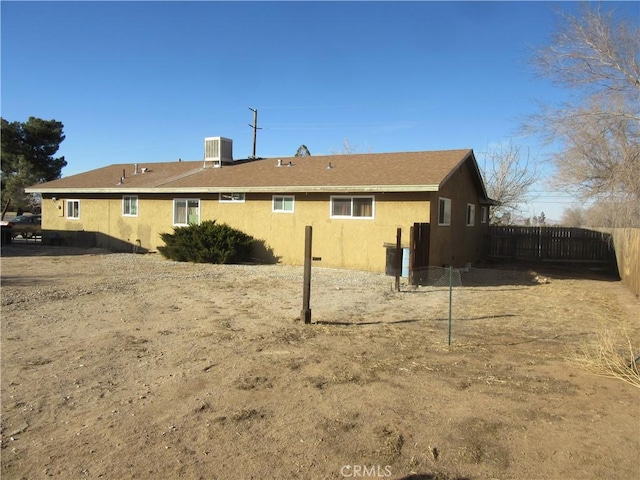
(409, 171)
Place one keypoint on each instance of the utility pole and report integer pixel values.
(255, 129)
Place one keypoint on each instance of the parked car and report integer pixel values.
(5, 232)
(26, 226)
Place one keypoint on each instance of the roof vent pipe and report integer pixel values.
(279, 163)
(135, 168)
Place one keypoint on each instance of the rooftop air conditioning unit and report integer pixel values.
(218, 150)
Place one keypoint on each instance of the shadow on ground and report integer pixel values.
(40, 250)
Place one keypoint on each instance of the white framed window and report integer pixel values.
(232, 198)
(130, 206)
(471, 214)
(444, 211)
(484, 214)
(72, 209)
(352, 207)
(186, 211)
(283, 203)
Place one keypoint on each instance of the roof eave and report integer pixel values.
(265, 189)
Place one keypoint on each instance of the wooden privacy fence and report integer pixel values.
(419, 251)
(626, 242)
(550, 244)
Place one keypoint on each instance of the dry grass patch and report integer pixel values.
(611, 355)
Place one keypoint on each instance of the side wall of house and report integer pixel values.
(458, 244)
(352, 243)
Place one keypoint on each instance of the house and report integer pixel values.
(355, 204)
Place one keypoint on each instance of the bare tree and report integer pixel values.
(347, 149)
(508, 178)
(606, 213)
(596, 58)
(593, 50)
(573, 217)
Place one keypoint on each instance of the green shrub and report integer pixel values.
(206, 243)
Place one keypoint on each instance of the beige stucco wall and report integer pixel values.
(340, 243)
(104, 215)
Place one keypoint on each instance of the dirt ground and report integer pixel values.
(131, 366)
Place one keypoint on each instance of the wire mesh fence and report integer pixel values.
(468, 277)
(458, 296)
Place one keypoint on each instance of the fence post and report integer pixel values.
(450, 299)
(412, 253)
(398, 257)
(306, 291)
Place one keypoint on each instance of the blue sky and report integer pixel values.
(147, 81)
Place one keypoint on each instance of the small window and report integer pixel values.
(186, 211)
(232, 197)
(444, 211)
(352, 207)
(471, 215)
(283, 204)
(73, 209)
(484, 214)
(130, 206)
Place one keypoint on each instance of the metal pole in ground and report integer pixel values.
(398, 265)
(306, 292)
(450, 299)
